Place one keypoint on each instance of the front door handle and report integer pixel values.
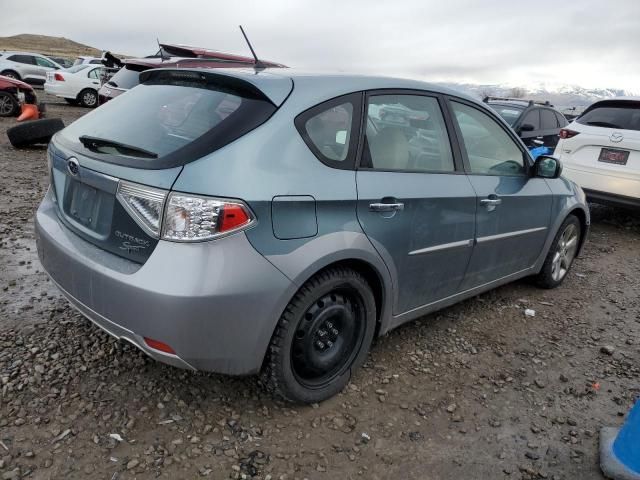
(491, 203)
(386, 207)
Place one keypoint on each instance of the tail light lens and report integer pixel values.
(566, 133)
(58, 77)
(144, 204)
(194, 218)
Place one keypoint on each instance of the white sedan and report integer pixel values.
(600, 151)
(77, 85)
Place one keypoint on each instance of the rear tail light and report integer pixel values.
(58, 77)
(144, 204)
(566, 133)
(160, 346)
(193, 218)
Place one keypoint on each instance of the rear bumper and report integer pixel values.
(598, 181)
(57, 90)
(215, 303)
(612, 199)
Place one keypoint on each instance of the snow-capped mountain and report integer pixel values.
(562, 96)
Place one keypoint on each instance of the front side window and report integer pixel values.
(490, 150)
(43, 62)
(406, 132)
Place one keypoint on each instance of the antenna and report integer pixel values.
(257, 63)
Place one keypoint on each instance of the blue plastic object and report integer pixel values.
(627, 444)
(537, 151)
(620, 448)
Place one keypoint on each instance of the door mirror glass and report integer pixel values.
(547, 167)
(527, 127)
(341, 137)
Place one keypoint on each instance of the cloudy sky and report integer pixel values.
(591, 43)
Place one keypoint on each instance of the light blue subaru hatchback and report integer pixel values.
(275, 222)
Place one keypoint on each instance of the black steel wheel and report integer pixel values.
(324, 334)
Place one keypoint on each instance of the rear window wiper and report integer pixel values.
(603, 124)
(95, 143)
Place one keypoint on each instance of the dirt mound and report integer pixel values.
(44, 44)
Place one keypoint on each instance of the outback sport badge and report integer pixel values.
(73, 166)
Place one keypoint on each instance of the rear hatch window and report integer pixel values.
(619, 114)
(171, 119)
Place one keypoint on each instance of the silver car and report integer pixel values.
(272, 221)
(25, 66)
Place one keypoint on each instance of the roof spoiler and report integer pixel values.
(546, 103)
(273, 88)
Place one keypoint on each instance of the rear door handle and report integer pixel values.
(386, 207)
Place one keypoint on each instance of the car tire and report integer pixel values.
(34, 132)
(88, 98)
(9, 106)
(561, 255)
(11, 74)
(322, 337)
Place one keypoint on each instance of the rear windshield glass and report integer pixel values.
(77, 68)
(125, 79)
(161, 125)
(508, 112)
(624, 115)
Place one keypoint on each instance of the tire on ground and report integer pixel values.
(279, 375)
(545, 279)
(34, 132)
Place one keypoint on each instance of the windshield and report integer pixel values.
(163, 119)
(623, 115)
(509, 113)
(125, 79)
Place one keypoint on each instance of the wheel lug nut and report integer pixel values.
(329, 325)
(320, 344)
(329, 343)
(335, 331)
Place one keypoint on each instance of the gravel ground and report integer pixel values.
(479, 390)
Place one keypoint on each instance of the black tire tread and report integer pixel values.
(34, 132)
(270, 376)
(544, 279)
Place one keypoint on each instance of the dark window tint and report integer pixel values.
(532, 118)
(179, 121)
(624, 115)
(125, 79)
(43, 62)
(549, 120)
(95, 62)
(407, 132)
(490, 150)
(561, 120)
(27, 59)
(508, 112)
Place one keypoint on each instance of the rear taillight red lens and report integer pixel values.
(233, 216)
(58, 77)
(160, 346)
(566, 133)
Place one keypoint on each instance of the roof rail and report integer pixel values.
(546, 103)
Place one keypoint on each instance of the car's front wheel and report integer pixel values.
(561, 254)
(8, 105)
(11, 74)
(323, 335)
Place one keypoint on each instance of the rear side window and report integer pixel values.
(26, 59)
(624, 115)
(532, 118)
(548, 119)
(169, 121)
(562, 121)
(490, 150)
(406, 133)
(330, 130)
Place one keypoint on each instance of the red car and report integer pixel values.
(173, 56)
(14, 93)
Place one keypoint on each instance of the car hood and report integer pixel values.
(7, 81)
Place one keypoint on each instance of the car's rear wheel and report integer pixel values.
(323, 335)
(10, 74)
(561, 254)
(88, 98)
(8, 105)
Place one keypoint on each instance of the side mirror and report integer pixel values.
(547, 166)
(527, 127)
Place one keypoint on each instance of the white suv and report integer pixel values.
(600, 151)
(28, 67)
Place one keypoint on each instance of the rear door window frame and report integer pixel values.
(450, 130)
